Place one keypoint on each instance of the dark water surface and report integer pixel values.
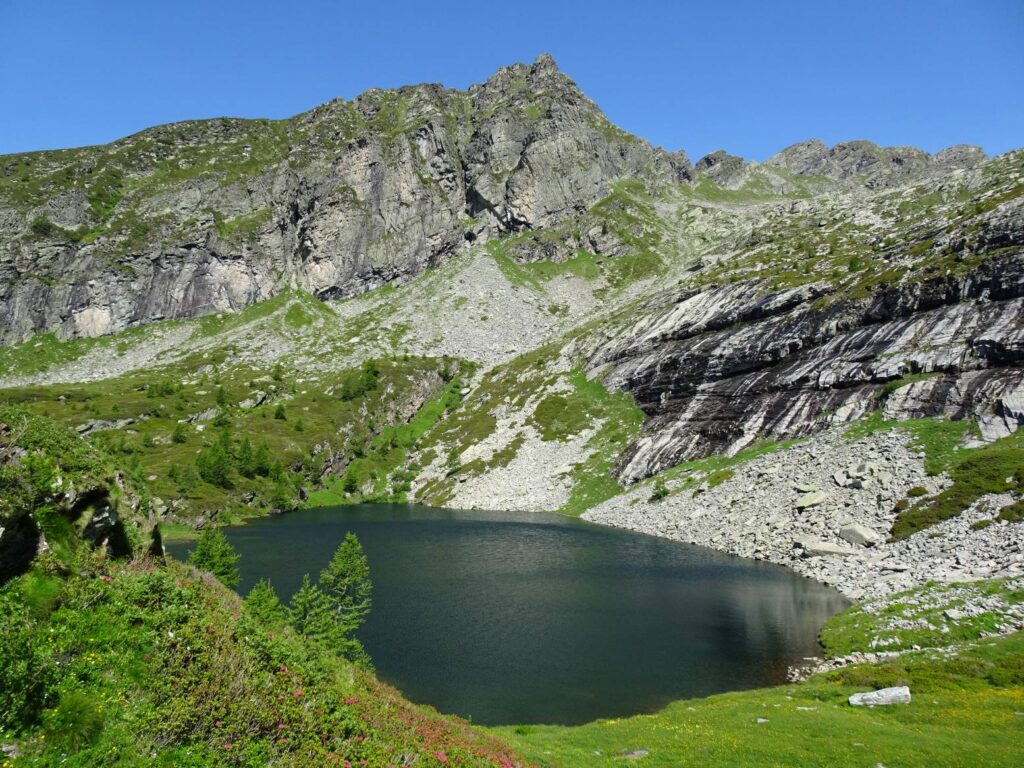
(522, 618)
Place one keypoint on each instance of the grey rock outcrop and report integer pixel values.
(722, 168)
(714, 369)
(869, 164)
(861, 535)
(203, 217)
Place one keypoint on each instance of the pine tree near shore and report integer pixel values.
(215, 554)
(263, 605)
(335, 609)
(346, 582)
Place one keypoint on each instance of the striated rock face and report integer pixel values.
(196, 218)
(719, 368)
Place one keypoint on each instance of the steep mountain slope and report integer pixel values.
(195, 218)
(554, 311)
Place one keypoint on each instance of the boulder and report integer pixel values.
(812, 499)
(897, 695)
(817, 548)
(855, 533)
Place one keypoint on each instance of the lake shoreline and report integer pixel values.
(661, 621)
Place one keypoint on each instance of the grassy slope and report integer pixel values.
(975, 472)
(135, 661)
(137, 664)
(145, 446)
(323, 411)
(965, 711)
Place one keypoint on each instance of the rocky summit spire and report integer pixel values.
(544, 63)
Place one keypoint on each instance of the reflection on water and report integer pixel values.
(513, 618)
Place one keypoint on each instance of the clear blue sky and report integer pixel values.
(749, 77)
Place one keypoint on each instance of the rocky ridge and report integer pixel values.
(198, 218)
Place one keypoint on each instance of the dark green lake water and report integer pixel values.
(520, 618)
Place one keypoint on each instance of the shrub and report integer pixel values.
(41, 226)
(179, 434)
(1013, 513)
(279, 413)
(660, 491)
(263, 605)
(280, 496)
(26, 668)
(74, 723)
(162, 388)
(357, 383)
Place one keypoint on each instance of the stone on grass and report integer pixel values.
(900, 694)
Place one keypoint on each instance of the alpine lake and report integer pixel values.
(509, 618)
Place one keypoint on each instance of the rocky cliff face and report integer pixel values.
(195, 218)
(723, 367)
(795, 347)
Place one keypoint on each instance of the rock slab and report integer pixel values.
(900, 694)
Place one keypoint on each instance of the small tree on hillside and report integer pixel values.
(215, 554)
(245, 459)
(309, 612)
(263, 605)
(214, 463)
(333, 611)
(261, 460)
(346, 582)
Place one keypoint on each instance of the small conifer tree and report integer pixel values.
(215, 554)
(263, 605)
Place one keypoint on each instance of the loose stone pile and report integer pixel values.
(825, 508)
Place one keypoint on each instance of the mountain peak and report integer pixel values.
(545, 62)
